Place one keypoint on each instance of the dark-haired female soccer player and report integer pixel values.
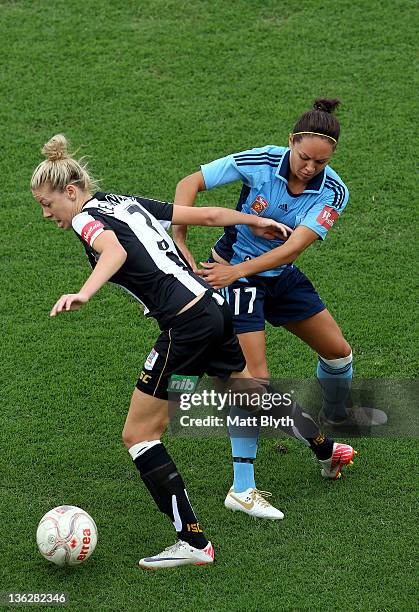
(296, 186)
(126, 243)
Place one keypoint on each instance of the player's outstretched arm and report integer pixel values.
(220, 275)
(112, 257)
(220, 217)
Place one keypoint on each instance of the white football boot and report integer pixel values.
(342, 455)
(252, 502)
(180, 553)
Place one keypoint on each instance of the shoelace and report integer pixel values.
(174, 547)
(259, 497)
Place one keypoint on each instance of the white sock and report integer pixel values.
(141, 447)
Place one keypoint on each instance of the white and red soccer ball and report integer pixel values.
(66, 535)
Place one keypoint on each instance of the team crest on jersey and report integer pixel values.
(259, 205)
(151, 359)
(327, 217)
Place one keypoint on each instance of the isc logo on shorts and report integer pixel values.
(145, 377)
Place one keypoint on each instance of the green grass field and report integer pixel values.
(150, 89)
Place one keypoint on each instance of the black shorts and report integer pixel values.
(200, 341)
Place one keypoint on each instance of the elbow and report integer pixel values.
(183, 182)
(122, 255)
(187, 184)
(190, 184)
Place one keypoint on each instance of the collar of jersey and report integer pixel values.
(89, 200)
(313, 186)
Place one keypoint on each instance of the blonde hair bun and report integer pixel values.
(60, 169)
(56, 148)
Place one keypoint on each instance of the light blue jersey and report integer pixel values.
(264, 173)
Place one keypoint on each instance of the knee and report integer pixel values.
(129, 437)
(340, 350)
(345, 350)
(144, 432)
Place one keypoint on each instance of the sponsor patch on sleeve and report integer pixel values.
(327, 217)
(91, 230)
(151, 359)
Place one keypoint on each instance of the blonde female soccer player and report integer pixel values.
(126, 243)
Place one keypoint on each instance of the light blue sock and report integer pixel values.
(244, 445)
(335, 377)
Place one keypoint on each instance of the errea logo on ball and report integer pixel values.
(86, 545)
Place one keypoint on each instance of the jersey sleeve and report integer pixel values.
(89, 225)
(220, 172)
(162, 211)
(326, 211)
(247, 166)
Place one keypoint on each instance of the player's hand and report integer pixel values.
(270, 229)
(72, 301)
(218, 275)
(187, 255)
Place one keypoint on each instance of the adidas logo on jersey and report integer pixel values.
(283, 206)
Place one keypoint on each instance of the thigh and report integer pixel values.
(291, 297)
(224, 356)
(146, 420)
(247, 305)
(253, 345)
(322, 334)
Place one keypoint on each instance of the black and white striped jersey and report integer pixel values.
(154, 272)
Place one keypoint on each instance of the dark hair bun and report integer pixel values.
(326, 105)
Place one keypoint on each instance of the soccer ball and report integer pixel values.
(66, 535)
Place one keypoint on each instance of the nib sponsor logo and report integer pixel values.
(182, 384)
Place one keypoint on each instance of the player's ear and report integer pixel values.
(290, 140)
(71, 191)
